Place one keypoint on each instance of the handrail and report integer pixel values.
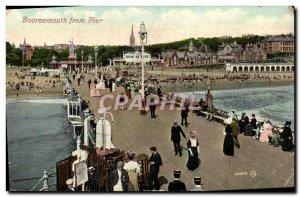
(45, 178)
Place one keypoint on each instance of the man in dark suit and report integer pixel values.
(175, 137)
(119, 178)
(184, 114)
(154, 161)
(110, 84)
(176, 185)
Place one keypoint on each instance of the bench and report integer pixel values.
(217, 118)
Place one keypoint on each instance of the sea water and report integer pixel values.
(38, 136)
(268, 103)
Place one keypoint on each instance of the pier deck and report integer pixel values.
(255, 165)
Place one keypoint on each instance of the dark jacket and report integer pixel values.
(287, 136)
(175, 133)
(185, 111)
(152, 107)
(253, 123)
(114, 178)
(176, 186)
(157, 162)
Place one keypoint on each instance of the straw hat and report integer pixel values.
(69, 182)
(131, 153)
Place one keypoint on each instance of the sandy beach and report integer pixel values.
(40, 81)
(187, 86)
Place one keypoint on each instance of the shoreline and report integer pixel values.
(187, 87)
(166, 88)
(33, 96)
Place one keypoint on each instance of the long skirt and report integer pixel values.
(133, 181)
(193, 161)
(287, 144)
(228, 146)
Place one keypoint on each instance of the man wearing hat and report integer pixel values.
(69, 184)
(119, 178)
(176, 185)
(243, 122)
(198, 183)
(92, 183)
(184, 114)
(154, 161)
(175, 137)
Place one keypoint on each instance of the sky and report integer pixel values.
(163, 24)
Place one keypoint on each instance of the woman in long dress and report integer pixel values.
(287, 143)
(193, 151)
(228, 145)
(92, 89)
(266, 131)
(113, 86)
(133, 169)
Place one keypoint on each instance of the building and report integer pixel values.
(132, 39)
(253, 53)
(229, 52)
(27, 50)
(276, 44)
(246, 67)
(72, 63)
(188, 55)
(135, 58)
(59, 47)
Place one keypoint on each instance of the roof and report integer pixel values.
(280, 39)
(118, 59)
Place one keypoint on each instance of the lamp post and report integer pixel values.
(23, 54)
(96, 53)
(81, 60)
(143, 40)
(78, 131)
(101, 69)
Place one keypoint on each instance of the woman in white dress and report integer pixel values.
(113, 86)
(133, 169)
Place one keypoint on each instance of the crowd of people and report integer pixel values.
(126, 175)
(263, 131)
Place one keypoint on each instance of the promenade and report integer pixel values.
(255, 165)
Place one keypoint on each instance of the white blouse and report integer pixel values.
(132, 166)
(193, 142)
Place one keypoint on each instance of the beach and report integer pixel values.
(40, 81)
(191, 85)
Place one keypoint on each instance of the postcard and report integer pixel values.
(150, 99)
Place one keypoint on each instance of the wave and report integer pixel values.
(39, 101)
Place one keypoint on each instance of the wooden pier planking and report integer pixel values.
(132, 131)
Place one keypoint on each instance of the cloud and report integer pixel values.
(79, 13)
(47, 13)
(164, 24)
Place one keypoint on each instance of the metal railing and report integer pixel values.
(44, 178)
